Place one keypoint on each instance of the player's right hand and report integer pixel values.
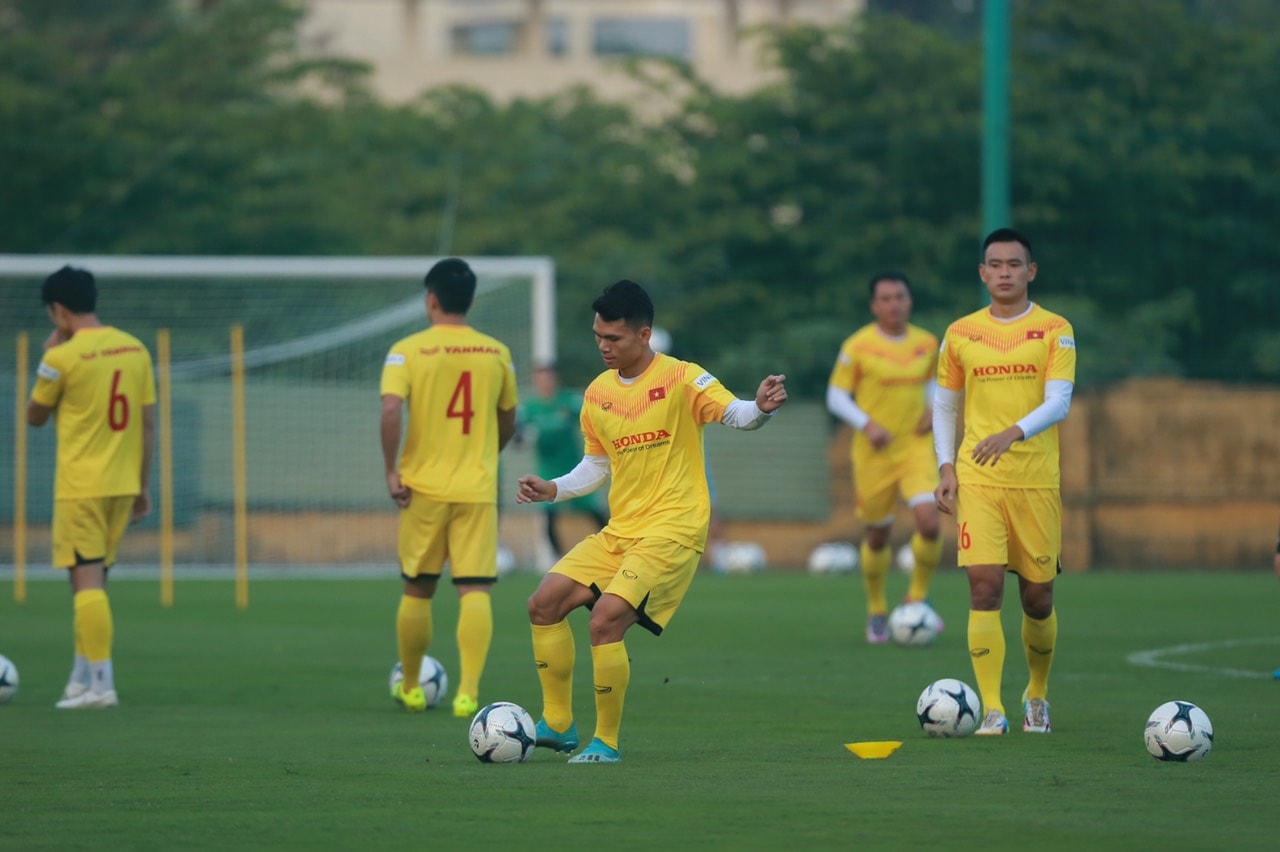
(879, 436)
(534, 489)
(945, 493)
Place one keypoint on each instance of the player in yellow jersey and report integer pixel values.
(642, 422)
(460, 388)
(882, 385)
(97, 382)
(1015, 363)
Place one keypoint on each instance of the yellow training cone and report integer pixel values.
(874, 749)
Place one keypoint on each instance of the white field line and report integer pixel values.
(1156, 658)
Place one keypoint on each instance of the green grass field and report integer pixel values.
(271, 727)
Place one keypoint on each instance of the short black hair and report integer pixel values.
(71, 287)
(1006, 235)
(453, 283)
(625, 300)
(887, 275)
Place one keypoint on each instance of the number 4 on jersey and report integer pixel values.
(460, 402)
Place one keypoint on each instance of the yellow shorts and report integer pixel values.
(1020, 528)
(89, 530)
(466, 534)
(879, 480)
(651, 574)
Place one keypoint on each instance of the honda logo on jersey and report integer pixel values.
(656, 394)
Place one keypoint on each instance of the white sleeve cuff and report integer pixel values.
(842, 405)
(944, 425)
(587, 476)
(744, 414)
(1057, 402)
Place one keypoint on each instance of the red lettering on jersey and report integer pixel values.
(1005, 370)
(433, 350)
(640, 438)
(656, 394)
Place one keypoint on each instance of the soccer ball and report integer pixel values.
(740, 557)
(432, 678)
(502, 732)
(1178, 731)
(914, 625)
(948, 708)
(506, 560)
(833, 557)
(905, 559)
(8, 680)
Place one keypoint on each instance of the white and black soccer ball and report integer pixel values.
(1178, 731)
(914, 625)
(740, 557)
(8, 679)
(502, 732)
(905, 559)
(432, 677)
(833, 557)
(948, 708)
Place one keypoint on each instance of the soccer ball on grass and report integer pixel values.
(8, 680)
(914, 625)
(1178, 731)
(948, 708)
(502, 732)
(431, 677)
(833, 557)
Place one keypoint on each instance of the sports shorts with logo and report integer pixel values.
(466, 534)
(1020, 528)
(651, 574)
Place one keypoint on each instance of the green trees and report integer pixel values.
(1144, 166)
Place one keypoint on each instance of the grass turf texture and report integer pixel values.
(271, 727)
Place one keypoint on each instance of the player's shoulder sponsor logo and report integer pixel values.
(48, 372)
(394, 359)
(1066, 342)
(702, 381)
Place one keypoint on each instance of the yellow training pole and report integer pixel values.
(238, 465)
(166, 468)
(20, 475)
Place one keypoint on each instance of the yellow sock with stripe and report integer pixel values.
(927, 555)
(1039, 636)
(475, 632)
(875, 568)
(554, 655)
(986, 651)
(413, 636)
(95, 629)
(612, 672)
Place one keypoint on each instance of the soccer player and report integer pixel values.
(1015, 362)
(99, 383)
(882, 385)
(460, 387)
(553, 416)
(642, 420)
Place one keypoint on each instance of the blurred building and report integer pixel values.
(514, 48)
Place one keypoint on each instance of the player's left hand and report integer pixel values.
(991, 448)
(771, 394)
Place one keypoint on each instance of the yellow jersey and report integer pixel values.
(887, 377)
(97, 383)
(454, 380)
(651, 430)
(1002, 368)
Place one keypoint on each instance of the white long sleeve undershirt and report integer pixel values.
(842, 405)
(588, 475)
(1054, 409)
(745, 415)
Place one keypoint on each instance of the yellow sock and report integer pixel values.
(986, 650)
(927, 555)
(93, 623)
(475, 632)
(1038, 639)
(413, 635)
(553, 654)
(612, 672)
(875, 568)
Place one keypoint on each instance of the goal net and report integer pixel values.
(315, 333)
